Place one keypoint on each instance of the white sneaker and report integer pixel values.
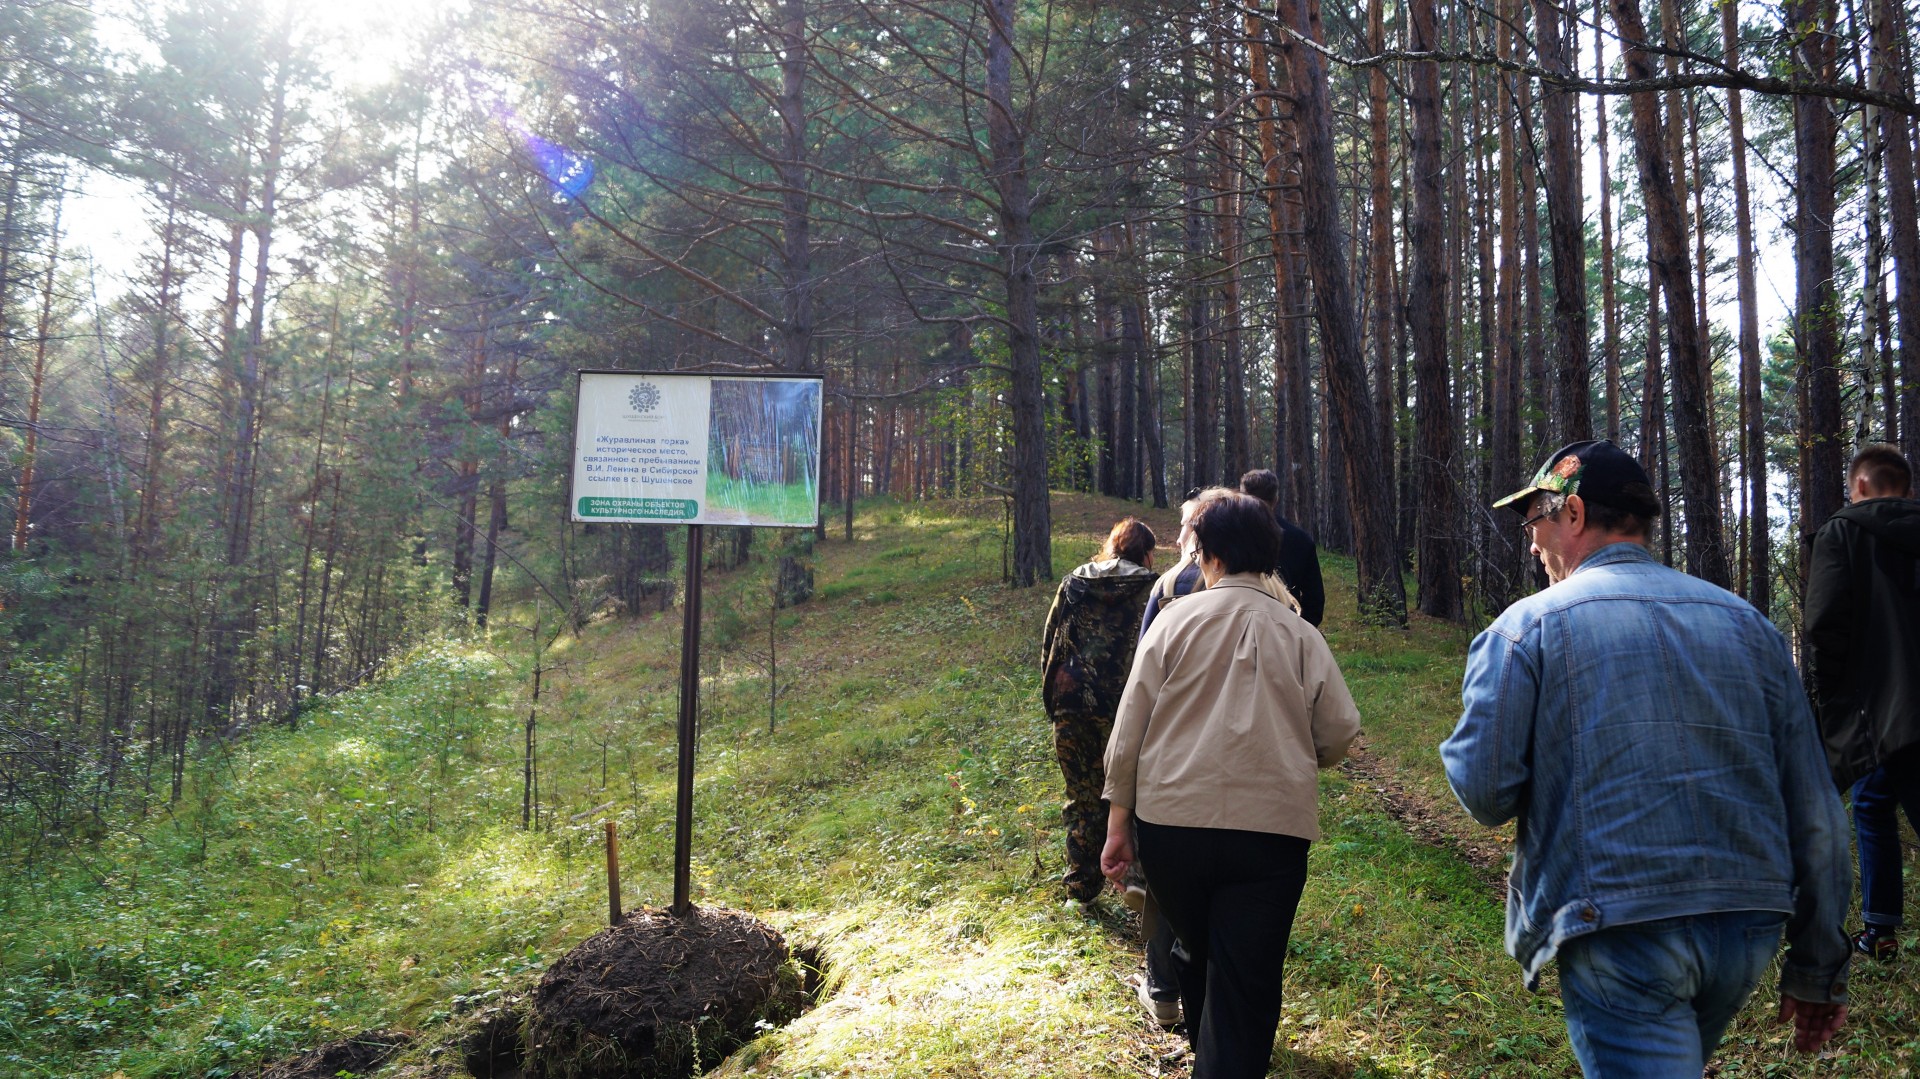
(1164, 1012)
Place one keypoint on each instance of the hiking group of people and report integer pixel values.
(1675, 782)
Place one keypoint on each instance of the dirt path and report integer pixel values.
(1430, 822)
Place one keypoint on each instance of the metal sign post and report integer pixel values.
(679, 447)
(689, 715)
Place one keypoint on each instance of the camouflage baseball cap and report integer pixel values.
(1597, 471)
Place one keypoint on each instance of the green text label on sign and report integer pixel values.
(657, 509)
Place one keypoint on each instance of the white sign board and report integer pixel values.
(697, 449)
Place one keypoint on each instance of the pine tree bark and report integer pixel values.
(1383, 289)
(1816, 299)
(1566, 229)
(1609, 300)
(1759, 576)
(1667, 247)
(1382, 594)
(1508, 469)
(1292, 410)
(1438, 557)
(1203, 409)
(29, 451)
(1032, 524)
(796, 219)
(1539, 407)
(1893, 49)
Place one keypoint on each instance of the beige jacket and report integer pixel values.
(1233, 704)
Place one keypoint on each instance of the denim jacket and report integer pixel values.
(1649, 732)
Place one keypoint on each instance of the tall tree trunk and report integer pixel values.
(241, 481)
(796, 253)
(1203, 408)
(9, 212)
(1032, 524)
(1438, 561)
(1382, 594)
(1609, 303)
(1566, 228)
(1539, 406)
(1893, 44)
(1133, 327)
(1816, 299)
(1667, 242)
(465, 525)
(497, 497)
(1106, 355)
(1498, 548)
(1382, 288)
(1236, 437)
(1292, 426)
(1759, 587)
(1508, 468)
(29, 451)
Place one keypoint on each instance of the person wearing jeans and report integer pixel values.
(1675, 815)
(1863, 671)
(1878, 799)
(1707, 966)
(1233, 704)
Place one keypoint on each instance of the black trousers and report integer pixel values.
(1230, 897)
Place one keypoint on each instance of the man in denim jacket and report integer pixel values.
(1648, 731)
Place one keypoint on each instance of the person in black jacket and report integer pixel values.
(1863, 671)
(1299, 566)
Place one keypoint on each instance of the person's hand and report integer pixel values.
(1813, 1024)
(1117, 856)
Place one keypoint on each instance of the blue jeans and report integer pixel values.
(1650, 1000)
(1877, 801)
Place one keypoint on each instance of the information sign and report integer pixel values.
(659, 448)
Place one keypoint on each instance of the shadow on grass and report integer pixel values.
(1289, 1064)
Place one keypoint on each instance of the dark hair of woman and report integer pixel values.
(1130, 539)
(1239, 531)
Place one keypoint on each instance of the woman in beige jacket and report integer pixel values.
(1233, 704)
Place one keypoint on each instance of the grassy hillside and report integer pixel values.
(369, 868)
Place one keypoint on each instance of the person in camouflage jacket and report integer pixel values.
(1087, 651)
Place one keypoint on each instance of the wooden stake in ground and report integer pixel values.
(613, 873)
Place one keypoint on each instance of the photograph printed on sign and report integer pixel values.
(761, 439)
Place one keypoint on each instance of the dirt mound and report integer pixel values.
(661, 996)
(491, 1047)
(358, 1055)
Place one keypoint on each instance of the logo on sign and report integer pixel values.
(644, 397)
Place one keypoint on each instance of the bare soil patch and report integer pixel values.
(361, 1054)
(661, 995)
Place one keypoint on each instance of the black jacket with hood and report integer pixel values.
(1863, 633)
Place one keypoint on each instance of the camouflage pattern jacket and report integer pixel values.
(1087, 648)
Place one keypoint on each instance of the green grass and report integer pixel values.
(369, 870)
(789, 502)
